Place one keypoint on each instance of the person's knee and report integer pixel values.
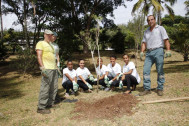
(146, 77)
(64, 85)
(69, 82)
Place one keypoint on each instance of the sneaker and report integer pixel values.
(145, 92)
(72, 92)
(107, 89)
(43, 111)
(160, 92)
(102, 87)
(88, 91)
(67, 95)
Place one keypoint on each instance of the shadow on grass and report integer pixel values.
(9, 66)
(9, 88)
(177, 69)
(173, 62)
(5, 67)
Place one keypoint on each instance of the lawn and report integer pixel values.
(19, 98)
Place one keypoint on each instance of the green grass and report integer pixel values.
(19, 98)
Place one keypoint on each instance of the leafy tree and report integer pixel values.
(177, 19)
(118, 42)
(77, 15)
(21, 9)
(157, 7)
(187, 7)
(180, 36)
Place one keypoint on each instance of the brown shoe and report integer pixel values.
(160, 92)
(43, 111)
(145, 92)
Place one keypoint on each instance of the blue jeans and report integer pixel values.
(155, 56)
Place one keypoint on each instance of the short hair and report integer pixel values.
(80, 60)
(150, 16)
(100, 59)
(113, 56)
(126, 55)
(69, 60)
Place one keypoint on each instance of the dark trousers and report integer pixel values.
(67, 85)
(115, 83)
(129, 81)
(101, 82)
(83, 85)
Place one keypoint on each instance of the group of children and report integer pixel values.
(110, 76)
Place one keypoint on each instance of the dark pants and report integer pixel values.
(83, 85)
(101, 82)
(129, 81)
(115, 83)
(67, 85)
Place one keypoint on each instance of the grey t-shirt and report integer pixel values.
(155, 38)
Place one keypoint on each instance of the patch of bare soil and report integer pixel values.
(106, 108)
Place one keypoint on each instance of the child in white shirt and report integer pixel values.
(114, 71)
(69, 77)
(84, 77)
(130, 76)
(102, 72)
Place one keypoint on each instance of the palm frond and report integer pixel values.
(170, 11)
(172, 2)
(146, 9)
(157, 5)
(137, 6)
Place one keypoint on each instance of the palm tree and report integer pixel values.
(157, 7)
(187, 7)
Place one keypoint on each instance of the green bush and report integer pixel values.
(26, 61)
(118, 42)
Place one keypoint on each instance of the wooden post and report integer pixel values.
(166, 100)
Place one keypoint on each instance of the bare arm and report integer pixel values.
(68, 76)
(143, 46)
(82, 79)
(116, 77)
(167, 44)
(102, 77)
(39, 58)
(130, 72)
(75, 78)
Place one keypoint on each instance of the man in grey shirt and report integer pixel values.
(155, 37)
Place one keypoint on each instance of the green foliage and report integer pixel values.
(180, 37)
(130, 40)
(118, 42)
(187, 7)
(3, 51)
(169, 22)
(26, 61)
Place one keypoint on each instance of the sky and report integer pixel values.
(122, 15)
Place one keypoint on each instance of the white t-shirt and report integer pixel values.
(71, 73)
(113, 71)
(83, 72)
(131, 66)
(155, 38)
(102, 71)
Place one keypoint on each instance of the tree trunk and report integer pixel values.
(85, 44)
(1, 19)
(25, 26)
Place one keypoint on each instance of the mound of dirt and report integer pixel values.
(106, 108)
